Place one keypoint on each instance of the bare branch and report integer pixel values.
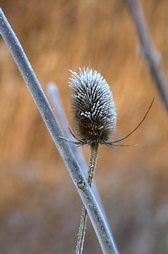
(84, 190)
(152, 56)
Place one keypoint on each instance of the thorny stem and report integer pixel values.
(83, 219)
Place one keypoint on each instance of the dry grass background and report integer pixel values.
(39, 207)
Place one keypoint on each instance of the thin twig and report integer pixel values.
(83, 188)
(83, 220)
(152, 56)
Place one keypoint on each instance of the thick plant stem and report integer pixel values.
(99, 223)
(83, 220)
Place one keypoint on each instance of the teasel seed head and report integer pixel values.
(93, 107)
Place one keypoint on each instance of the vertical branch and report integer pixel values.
(92, 163)
(83, 220)
(152, 56)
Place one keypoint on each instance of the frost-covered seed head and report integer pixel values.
(93, 107)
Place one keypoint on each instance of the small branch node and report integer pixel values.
(81, 184)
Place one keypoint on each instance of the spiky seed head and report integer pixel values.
(92, 106)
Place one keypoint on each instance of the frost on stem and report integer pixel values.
(93, 107)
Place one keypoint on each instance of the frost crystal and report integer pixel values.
(93, 107)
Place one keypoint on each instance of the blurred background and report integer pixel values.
(39, 206)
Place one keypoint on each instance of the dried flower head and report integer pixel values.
(95, 119)
(93, 107)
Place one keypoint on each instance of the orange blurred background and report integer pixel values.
(39, 206)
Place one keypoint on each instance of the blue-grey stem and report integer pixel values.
(152, 56)
(53, 93)
(99, 223)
